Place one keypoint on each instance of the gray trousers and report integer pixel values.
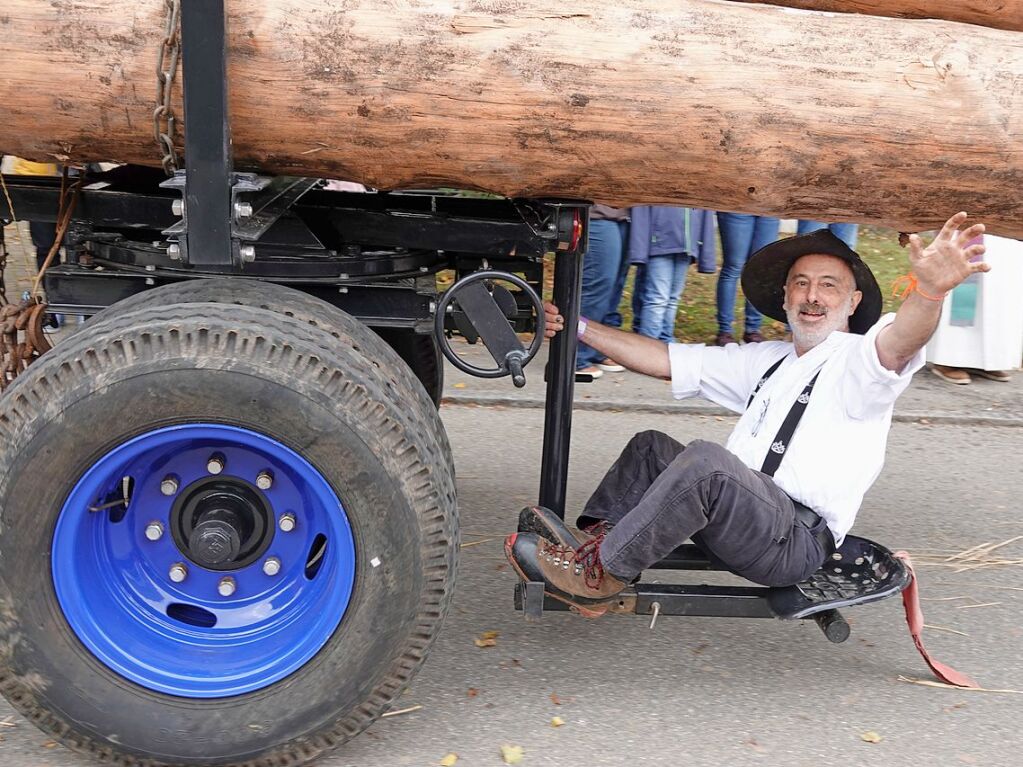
(660, 493)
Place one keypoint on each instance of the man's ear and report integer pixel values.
(857, 296)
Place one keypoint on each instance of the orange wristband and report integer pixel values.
(907, 284)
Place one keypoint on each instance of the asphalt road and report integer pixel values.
(709, 692)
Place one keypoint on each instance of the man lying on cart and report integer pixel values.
(774, 503)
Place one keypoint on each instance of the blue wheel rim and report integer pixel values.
(115, 589)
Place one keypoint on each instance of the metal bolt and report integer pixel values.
(169, 485)
(178, 572)
(272, 566)
(215, 464)
(174, 251)
(248, 253)
(242, 209)
(154, 532)
(150, 281)
(287, 522)
(226, 587)
(178, 207)
(264, 480)
(150, 267)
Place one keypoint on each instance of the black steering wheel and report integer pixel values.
(481, 301)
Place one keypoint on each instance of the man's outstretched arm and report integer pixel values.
(938, 268)
(636, 352)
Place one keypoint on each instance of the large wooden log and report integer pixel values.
(717, 104)
(1000, 14)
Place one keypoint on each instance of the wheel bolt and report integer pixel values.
(287, 522)
(169, 486)
(178, 572)
(265, 480)
(226, 587)
(154, 531)
(215, 464)
(272, 566)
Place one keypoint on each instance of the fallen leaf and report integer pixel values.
(557, 721)
(954, 706)
(50, 744)
(555, 699)
(459, 385)
(472, 692)
(512, 754)
(449, 760)
(870, 737)
(487, 639)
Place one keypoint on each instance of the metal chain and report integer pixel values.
(164, 120)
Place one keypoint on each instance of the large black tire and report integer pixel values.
(323, 395)
(420, 352)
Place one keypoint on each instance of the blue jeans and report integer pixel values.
(659, 290)
(845, 232)
(604, 268)
(742, 235)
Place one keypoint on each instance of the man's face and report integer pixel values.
(820, 296)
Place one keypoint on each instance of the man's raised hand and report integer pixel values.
(947, 261)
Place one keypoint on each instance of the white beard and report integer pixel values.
(806, 338)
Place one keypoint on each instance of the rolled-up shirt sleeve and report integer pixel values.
(868, 386)
(722, 374)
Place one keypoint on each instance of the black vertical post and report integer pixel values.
(557, 432)
(207, 132)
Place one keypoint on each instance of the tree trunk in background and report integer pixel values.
(727, 106)
(1000, 14)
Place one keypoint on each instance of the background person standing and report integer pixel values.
(742, 235)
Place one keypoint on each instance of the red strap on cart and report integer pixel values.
(915, 619)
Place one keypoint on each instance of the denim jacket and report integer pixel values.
(658, 230)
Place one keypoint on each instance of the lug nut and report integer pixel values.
(242, 209)
(287, 522)
(178, 207)
(272, 566)
(248, 253)
(174, 251)
(154, 531)
(226, 587)
(178, 572)
(215, 464)
(169, 486)
(264, 480)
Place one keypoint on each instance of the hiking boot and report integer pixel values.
(952, 375)
(573, 576)
(753, 337)
(723, 339)
(547, 524)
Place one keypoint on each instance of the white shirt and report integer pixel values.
(838, 448)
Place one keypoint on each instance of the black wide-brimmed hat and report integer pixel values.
(766, 272)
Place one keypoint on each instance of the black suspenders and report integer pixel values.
(788, 427)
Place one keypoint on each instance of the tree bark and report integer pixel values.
(727, 106)
(1000, 14)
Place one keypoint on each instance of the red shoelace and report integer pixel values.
(586, 559)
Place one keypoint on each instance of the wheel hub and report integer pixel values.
(222, 523)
